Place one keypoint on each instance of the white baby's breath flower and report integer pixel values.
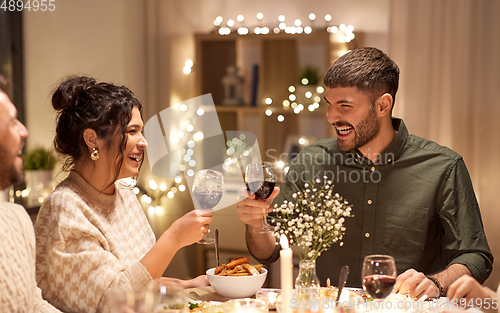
(312, 219)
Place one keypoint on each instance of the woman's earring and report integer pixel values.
(95, 154)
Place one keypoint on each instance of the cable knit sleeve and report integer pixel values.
(79, 266)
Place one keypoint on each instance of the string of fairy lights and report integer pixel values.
(281, 25)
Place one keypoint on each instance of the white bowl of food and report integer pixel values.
(237, 286)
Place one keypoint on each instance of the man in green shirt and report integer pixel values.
(411, 198)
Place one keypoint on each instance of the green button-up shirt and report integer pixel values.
(415, 203)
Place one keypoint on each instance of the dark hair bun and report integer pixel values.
(70, 91)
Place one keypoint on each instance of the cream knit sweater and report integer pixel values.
(18, 290)
(89, 245)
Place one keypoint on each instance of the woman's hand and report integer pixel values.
(189, 229)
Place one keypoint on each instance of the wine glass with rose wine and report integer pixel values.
(260, 181)
(207, 192)
(379, 276)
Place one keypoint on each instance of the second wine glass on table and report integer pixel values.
(379, 276)
(207, 192)
(260, 181)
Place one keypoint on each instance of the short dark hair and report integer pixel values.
(83, 103)
(368, 69)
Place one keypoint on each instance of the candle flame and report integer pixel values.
(284, 242)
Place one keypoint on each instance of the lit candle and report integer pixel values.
(286, 273)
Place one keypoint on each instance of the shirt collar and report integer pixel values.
(392, 152)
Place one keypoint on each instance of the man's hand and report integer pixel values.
(251, 211)
(416, 285)
(469, 288)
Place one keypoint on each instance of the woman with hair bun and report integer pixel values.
(93, 239)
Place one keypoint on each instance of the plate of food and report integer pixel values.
(237, 278)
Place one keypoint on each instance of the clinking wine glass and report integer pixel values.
(207, 192)
(379, 276)
(260, 180)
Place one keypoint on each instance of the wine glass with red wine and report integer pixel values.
(207, 192)
(260, 180)
(379, 276)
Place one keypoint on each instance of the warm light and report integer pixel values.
(300, 107)
(291, 88)
(170, 194)
(186, 70)
(230, 23)
(178, 179)
(312, 16)
(296, 110)
(153, 185)
(200, 112)
(189, 127)
(328, 17)
(269, 112)
(159, 210)
(257, 30)
(342, 27)
(186, 157)
(240, 18)
(299, 30)
(284, 242)
(260, 16)
(219, 19)
(265, 30)
(281, 118)
(334, 29)
(276, 30)
(304, 81)
(243, 31)
(190, 151)
(349, 29)
(184, 107)
(198, 136)
(190, 172)
(136, 191)
(280, 164)
(319, 89)
(191, 144)
(163, 187)
(311, 107)
(180, 134)
(292, 97)
(192, 163)
(293, 105)
(282, 26)
(281, 18)
(182, 187)
(286, 169)
(298, 22)
(307, 29)
(308, 94)
(151, 210)
(286, 103)
(268, 101)
(189, 63)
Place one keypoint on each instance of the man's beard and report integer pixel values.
(9, 174)
(364, 132)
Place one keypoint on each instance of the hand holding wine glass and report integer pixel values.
(260, 181)
(379, 275)
(207, 192)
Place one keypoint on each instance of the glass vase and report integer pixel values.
(307, 284)
(307, 277)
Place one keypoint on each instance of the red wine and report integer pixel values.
(206, 199)
(262, 190)
(378, 286)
